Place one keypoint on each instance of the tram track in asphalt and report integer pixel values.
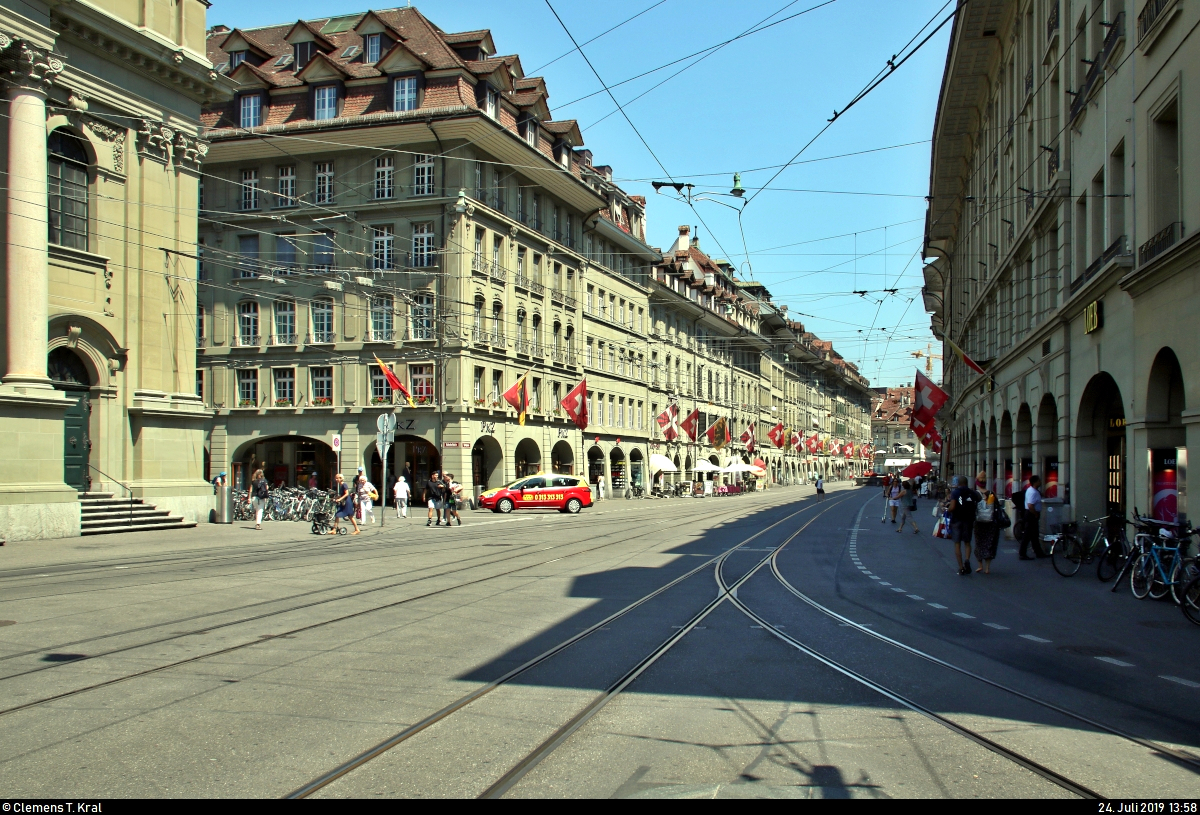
(1179, 758)
(514, 774)
(434, 546)
(341, 618)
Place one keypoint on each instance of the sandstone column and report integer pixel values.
(30, 71)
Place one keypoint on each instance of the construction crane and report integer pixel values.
(928, 355)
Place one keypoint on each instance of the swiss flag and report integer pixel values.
(668, 420)
(689, 424)
(796, 441)
(575, 404)
(928, 399)
(776, 435)
(748, 438)
(849, 449)
(813, 443)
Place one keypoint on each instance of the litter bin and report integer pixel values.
(224, 510)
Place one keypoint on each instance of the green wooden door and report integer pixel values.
(75, 441)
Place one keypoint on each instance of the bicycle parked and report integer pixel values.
(1068, 552)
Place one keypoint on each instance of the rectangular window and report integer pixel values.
(420, 379)
(251, 110)
(423, 249)
(423, 175)
(591, 347)
(520, 203)
(1164, 170)
(236, 58)
(248, 387)
(611, 404)
(322, 385)
(323, 251)
(497, 248)
(620, 412)
(200, 383)
(382, 247)
(286, 187)
(285, 322)
(521, 263)
(303, 53)
(537, 212)
(404, 93)
(535, 394)
(371, 49)
(422, 317)
(249, 189)
(285, 253)
(639, 415)
(531, 133)
(569, 238)
(381, 392)
(478, 391)
(322, 321)
(285, 387)
(325, 103)
(324, 191)
(247, 255)
(385, 178)
(382, 327)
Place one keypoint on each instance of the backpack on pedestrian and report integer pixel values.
(261, 488)
(984, 512)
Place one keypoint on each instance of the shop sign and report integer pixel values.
(1093, 316)
(1164, 484)
(563, 433)
(450, 444)
(487, 428)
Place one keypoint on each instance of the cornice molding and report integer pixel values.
(26, 65)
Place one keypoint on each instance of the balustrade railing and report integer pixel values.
(1160, 242)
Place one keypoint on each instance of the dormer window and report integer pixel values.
(404, 93)
(303, 52)
(251, 110)
(236, 58)
(371, 49)
(531, 133)
(492, 102)
(325, 102)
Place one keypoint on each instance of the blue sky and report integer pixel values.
(752, 104)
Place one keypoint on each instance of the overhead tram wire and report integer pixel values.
(892, 67)
(598, 36)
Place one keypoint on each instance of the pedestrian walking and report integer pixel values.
(260, 490)
(820, 488)
(453, 498)
(367, 495)
(887, 488)
(344, 497)
(1031, 517)
(963, 500)
(987, 530)
(893, 494)
(435, 498)
(908, 507)
(400, 492)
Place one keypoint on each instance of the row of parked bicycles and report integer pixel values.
(1157, 562)
(285, 504)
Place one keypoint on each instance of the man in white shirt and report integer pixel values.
(1033, 514)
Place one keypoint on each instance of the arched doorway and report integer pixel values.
(1023, 446)
(69, 374)
(527, 458)
(419, 457)
(487, 464)
(1046, 434)
(1100, 475)
(1166, 437)
(562, 458)
(617, 471)
(1004, 454)
(637, 468)
(677, 476)
(595, 457)
(287, 460)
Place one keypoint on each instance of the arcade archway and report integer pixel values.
(527, 458)
(1100, 474)
(487, 464)
(562, 459)
(289, 461)
(618, 476)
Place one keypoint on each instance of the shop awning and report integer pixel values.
(706, 466)
(737, 466)
(660, 463)
(897, 462)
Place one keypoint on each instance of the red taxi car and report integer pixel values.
(565, 493)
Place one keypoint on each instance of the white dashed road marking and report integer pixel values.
(1116, 662)
(964, 616)
(1179, 681)
(1032, 638)
(997, 626)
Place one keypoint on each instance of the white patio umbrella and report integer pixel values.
(706, 466)
(737, 466)
(659, 463)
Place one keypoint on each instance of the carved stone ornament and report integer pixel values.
(113, 135)
(27, 66)
(190, 151)
(154, 140)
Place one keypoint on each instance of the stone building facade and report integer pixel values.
(102, 163)
(1063, 233)
(380, 188)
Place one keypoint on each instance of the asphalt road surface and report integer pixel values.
(763, 645)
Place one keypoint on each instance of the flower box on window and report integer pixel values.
(423, 400)
(247, 403)
(495, 404)
(283, 403)
(480, 402)
(322, 401)
(380, 400)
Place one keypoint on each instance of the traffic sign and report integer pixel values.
(336, 444)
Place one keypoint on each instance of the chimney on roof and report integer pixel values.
(218, 29)
(681, 243)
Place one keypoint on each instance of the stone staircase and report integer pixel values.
(102, 514)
